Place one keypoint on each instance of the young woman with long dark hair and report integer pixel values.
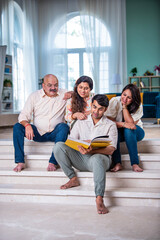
(127, 112)
(79, 105)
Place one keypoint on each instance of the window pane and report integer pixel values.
(70, 35)
(17, 30)
(103, 87)
(86, 68)
(59, 68)
(73, 69)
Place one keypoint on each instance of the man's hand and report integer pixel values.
(84, 150)
(29, 132)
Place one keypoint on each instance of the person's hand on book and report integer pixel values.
(84, 150)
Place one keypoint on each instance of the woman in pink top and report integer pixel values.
(79, 106)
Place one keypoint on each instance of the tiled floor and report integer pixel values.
(69, 222)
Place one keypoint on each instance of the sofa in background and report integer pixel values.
(151, 105)
(150, 101)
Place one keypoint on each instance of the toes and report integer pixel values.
(51, 167)
(99, 212)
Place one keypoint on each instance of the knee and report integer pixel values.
(101, 163)
(97, 160)
(17, 128)
(128, 133)
(63, 127)
(58, 147)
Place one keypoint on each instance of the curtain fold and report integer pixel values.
(29, 44)
(51, 59)
(2, 65)
(7, 19)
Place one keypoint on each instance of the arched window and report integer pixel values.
(76, 55)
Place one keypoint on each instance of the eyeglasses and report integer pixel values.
(49, 85)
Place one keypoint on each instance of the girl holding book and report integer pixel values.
(127, 112)
(79, 105)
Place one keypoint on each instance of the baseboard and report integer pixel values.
(8, 119)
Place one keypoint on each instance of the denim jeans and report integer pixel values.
(131, 137)
(59, 134)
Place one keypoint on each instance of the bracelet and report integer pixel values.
(123, 124)
(27, 125)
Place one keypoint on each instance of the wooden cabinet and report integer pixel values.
(7, 90)
(146, 83)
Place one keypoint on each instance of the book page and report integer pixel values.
(104, 138)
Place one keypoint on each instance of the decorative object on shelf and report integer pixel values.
(135, 83)
(7, 83)
(6, 60)
(148, 73)
(7, 70)
(157, 69)
(142, 84)
(133, 71)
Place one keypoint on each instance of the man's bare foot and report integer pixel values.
(73, 182)
(101, 208)
(117, 167)
(19, 167)
(136, 168)
(52, 167)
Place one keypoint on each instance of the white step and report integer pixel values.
(124, 178)
(34, 160)
(30, 146)
(147, 161)
(144, 146)
(79, 195)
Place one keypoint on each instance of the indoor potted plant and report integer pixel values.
(133, 71)
(7, 83)
(157, 69)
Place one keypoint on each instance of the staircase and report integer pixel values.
(35, 184)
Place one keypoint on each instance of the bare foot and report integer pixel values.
(117, 167)
(101, 208)
(136, 168)
(19, 167)
(73, 182)
(52, 167)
